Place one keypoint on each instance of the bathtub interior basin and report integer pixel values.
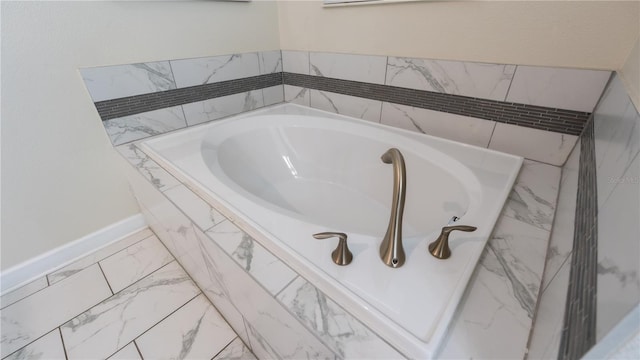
(286, 173)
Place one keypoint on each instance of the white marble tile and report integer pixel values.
(608, 116)
(267, 269)
(199, 71)
(260, 346)
(449, 126)
(128, 352)
(571, 89)
(135, 262)
(270, 62)
(358, 107)
(112, 82)
(184, 239)
(148, 168)
(618, 249)
(199, 211)
(98, 255)
(495, 316)
(23, 291)
(195, 331)
(617, 144)
(273, 95)
(110, 325)
(236, 350)
(27, 320)
(139, 126)
(549, 320)
(347, 336)
(295, 62)
(275, 325)
(561, 242)
(48, 347)
(533, 197)
(212, 109)
(486, 81)
(545, 146)
(364, 68)
(297, 95)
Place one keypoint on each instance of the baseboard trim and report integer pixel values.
(41, 265)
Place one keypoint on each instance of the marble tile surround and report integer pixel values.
(510, 261)
(558, 88)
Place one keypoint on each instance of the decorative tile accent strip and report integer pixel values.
(116, 108)
(579, 332)
(537, 117)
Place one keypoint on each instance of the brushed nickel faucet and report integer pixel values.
(391, 250)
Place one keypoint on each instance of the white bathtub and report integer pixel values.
(283, 176)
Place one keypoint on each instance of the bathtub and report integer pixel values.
(285, 173)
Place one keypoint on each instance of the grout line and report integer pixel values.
(286, 286)
(164, 318)
(506, 95)
(64, 347)
(226, 346)
(138, 349)
(27, 344)
(105, 278)
(495, 124)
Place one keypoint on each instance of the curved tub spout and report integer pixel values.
(391, 250)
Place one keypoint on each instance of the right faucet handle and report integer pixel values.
(440, 247)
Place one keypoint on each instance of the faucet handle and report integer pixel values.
(341, 255)
(440, 247)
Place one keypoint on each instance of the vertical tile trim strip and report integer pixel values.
(579, 330)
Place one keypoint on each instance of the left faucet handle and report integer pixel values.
(341, 255)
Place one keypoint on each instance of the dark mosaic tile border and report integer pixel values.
(579, 330)
(115, 108)
(537, 117)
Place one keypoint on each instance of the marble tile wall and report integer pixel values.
(141, 100)
(617, 144)
(268, 304)
(616, 139)
(516, 107)
(575, 90)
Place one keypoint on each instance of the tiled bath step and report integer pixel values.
(129, 300)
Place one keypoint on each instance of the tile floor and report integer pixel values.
(128, 300)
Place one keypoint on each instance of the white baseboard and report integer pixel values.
(41, 265)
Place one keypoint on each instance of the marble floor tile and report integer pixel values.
(34, 316)
(129, 352)
(273, 95)
(267, 269)
(23, 291)
(98, 255)
(236, 350)
(347, 336)
(217, 108)
(364, 68)
(110, 325)
(135, 262)
(203, 214)
(48, 347)
(195, 331)
(533, 197)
